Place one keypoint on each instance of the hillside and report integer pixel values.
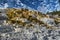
(25, 23)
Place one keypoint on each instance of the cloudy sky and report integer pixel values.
(40, 5)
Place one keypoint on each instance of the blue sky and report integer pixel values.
(40, 5)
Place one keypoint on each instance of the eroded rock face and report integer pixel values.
(23, 16)
(24, 24)
(26, 17)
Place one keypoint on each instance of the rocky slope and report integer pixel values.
(24, 24)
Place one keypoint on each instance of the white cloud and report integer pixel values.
(5, 5)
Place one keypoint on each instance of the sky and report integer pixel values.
(39, 5)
